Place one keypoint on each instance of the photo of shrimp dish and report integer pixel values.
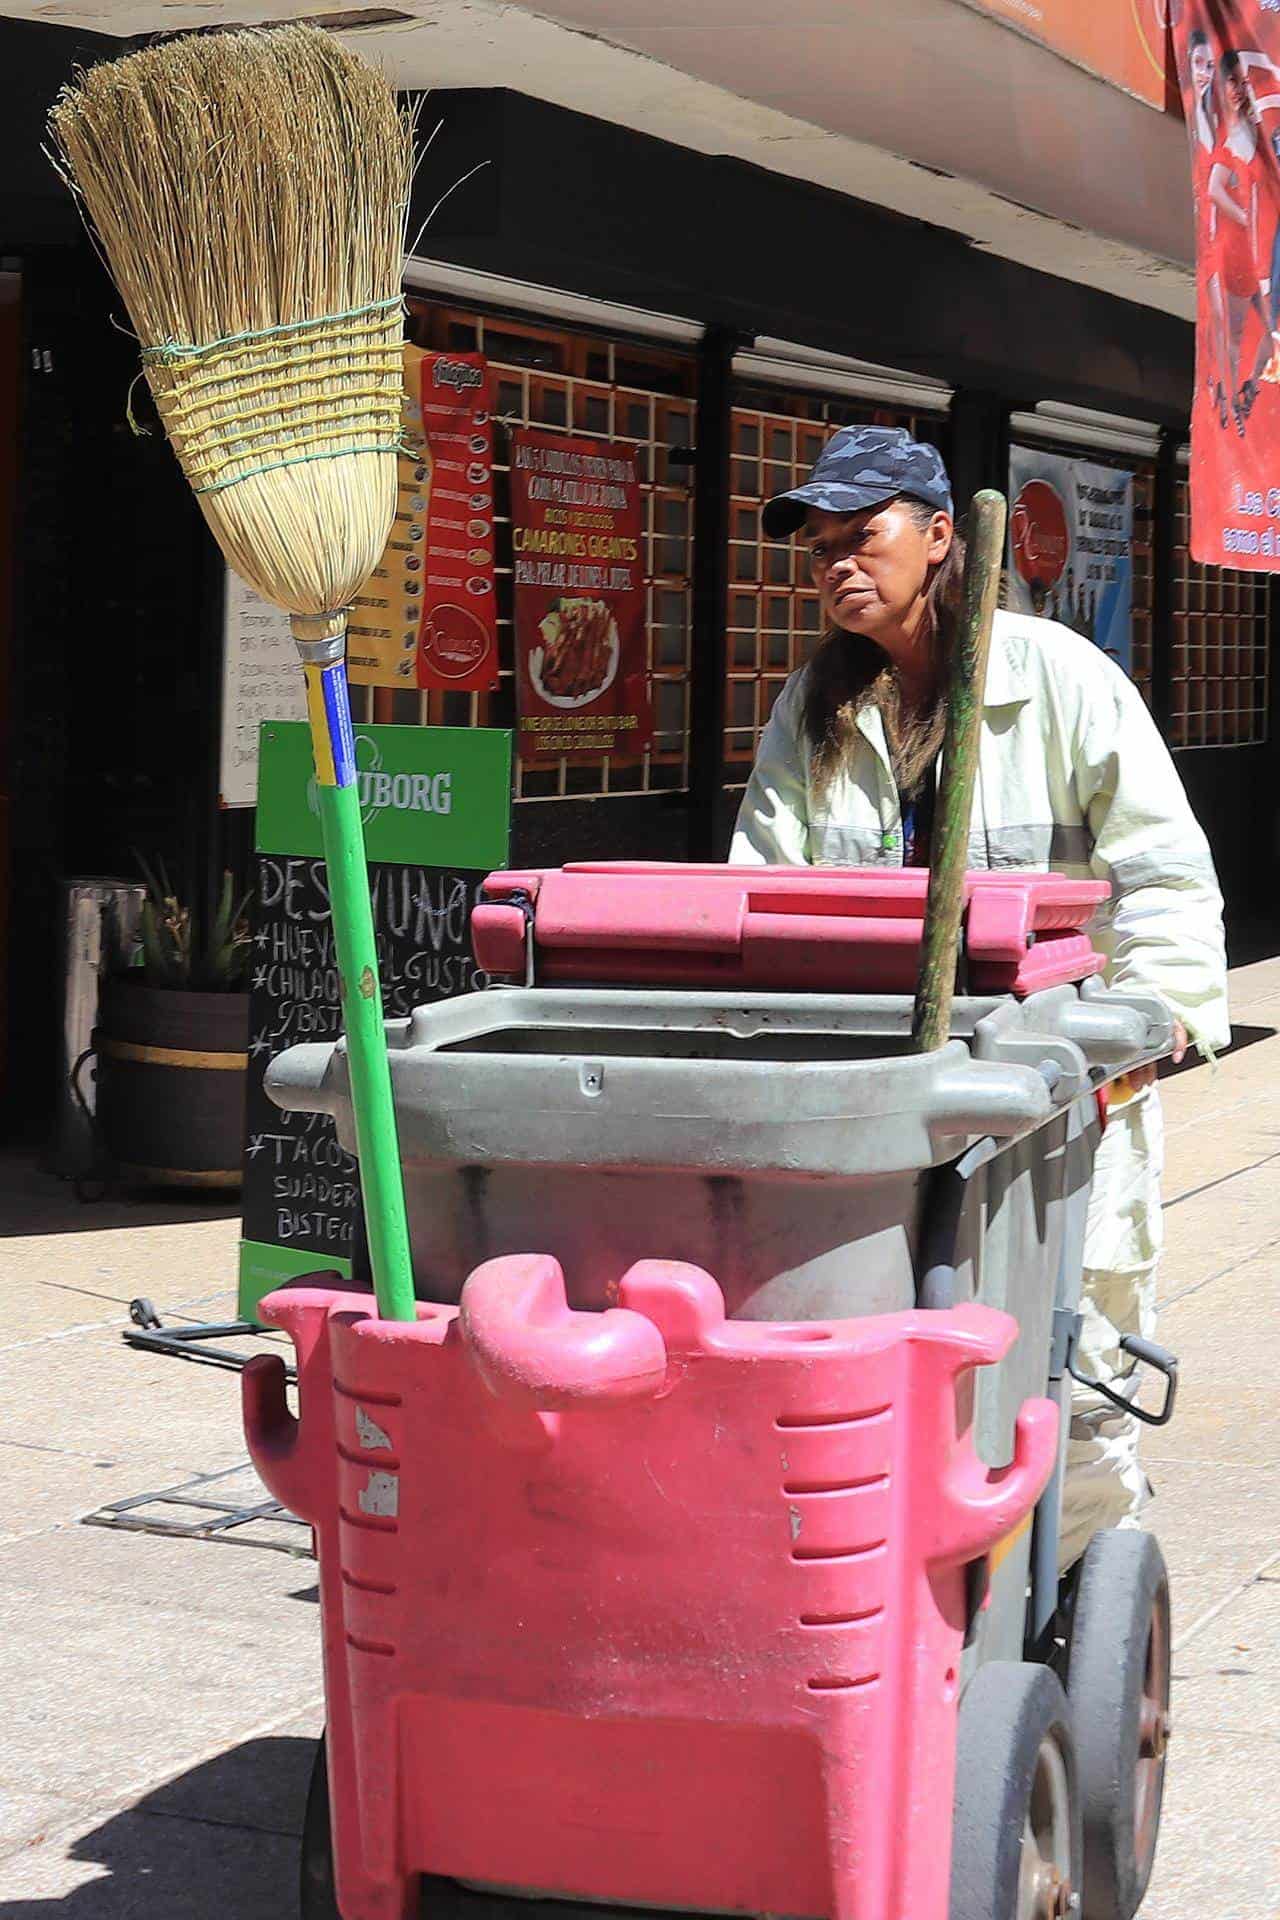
(579, 654)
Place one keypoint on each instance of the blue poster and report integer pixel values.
(1071, 546)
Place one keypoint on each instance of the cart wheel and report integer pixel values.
(1016, 1845)
(1118, 1683)
(316, 1898)
(143, 1313)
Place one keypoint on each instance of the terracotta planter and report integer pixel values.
(171, 1083)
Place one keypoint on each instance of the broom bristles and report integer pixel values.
(240, 184)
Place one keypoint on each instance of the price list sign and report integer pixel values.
(436, 805)
(426, 617)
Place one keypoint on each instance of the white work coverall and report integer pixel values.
(1073, 778)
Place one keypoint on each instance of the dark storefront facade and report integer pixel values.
(718, 319)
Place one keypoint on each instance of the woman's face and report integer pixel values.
(1202, 68)
(871, 568)
(1239, 98)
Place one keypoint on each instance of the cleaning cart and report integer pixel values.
(697, 1546)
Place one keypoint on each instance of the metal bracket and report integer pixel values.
(519, 898)
(1062, 1342)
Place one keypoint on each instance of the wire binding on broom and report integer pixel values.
(244, 405)
(168, 349)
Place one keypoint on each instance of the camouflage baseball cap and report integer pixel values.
(862, 467)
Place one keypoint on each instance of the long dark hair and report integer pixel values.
(848, 672)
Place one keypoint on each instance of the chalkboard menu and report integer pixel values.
(301, 1190)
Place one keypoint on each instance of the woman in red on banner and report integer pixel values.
(1236, 67)
(1207, 123)
(1242, 281)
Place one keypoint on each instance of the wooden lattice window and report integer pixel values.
(1221, 620)
(774, 617)
(610, 389)
(1144, 519)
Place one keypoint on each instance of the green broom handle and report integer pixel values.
(949, 858)
(321, 642)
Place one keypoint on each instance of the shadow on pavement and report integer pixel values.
(35, 1201)
(1249, 941)
(1241, 1037)
(218, 1843)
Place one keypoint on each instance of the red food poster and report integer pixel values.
(577, 540)
(426, 617)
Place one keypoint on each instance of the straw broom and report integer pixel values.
(249, 191)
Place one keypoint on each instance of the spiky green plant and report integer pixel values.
(177, 952)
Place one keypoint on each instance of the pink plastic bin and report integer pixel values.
(641, 1606)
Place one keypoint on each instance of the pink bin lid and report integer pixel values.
(815, 929)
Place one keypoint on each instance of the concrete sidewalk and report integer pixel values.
(163, 1695)
(1216, 1470)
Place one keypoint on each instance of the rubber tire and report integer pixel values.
(317, 1899)
(1123, 1580)
(1007, 1710)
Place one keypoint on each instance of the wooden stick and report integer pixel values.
(944, 907)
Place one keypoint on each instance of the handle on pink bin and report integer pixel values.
(988, 1502)
(273, 1434)
(530, 1346)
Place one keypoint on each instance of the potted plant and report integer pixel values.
(172, 1044)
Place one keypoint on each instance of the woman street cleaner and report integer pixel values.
(1073, 778)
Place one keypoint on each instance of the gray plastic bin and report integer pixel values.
(786, 1142)
(790, 1144)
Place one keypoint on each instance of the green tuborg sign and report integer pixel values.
(429, 796)
(436, 803)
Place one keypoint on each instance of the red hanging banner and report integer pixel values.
(426, 617)
(1229, 71)
(577, 533)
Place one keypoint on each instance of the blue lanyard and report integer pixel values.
(910, 817)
